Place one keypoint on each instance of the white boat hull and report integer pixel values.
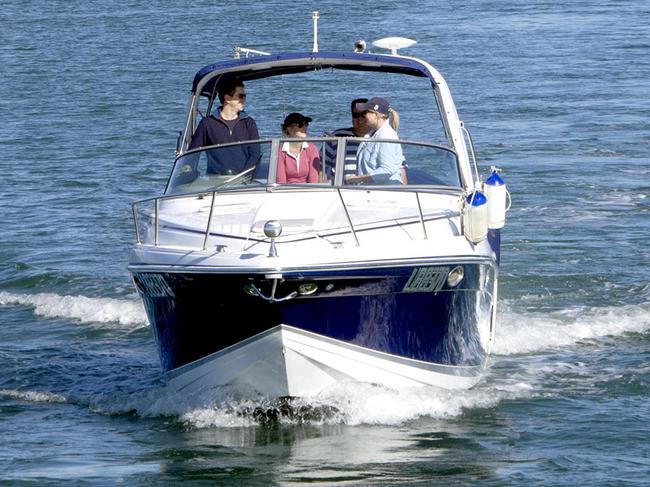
(286, 361)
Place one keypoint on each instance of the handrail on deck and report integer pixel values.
(347, 215)
(207, 227)
(214, 194)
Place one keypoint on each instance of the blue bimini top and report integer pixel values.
(266, 66)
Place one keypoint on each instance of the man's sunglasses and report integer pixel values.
(358, 114)
(241, 96)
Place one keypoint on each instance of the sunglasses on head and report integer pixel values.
(358, 114)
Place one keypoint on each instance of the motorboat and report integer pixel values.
(286, 290)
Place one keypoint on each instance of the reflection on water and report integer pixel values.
(331, 453)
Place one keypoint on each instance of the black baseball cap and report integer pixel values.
(295, 117)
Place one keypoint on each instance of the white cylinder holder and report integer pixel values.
(496, 193)
(475, 217)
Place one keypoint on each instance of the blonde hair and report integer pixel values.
(394, 118)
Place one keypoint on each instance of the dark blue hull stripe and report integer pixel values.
(388, 310)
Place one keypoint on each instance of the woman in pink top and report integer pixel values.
(298, 162)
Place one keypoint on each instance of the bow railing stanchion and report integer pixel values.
(471, 146)
(424, 228)
(135, 222)
(347, 215)
(207, 228)
(155, 223)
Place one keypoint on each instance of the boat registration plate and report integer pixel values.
(426, 279)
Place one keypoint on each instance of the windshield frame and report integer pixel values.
(338, 181)
(286, 64)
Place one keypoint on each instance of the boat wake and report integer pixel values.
(124, 312)
(32, 396)
(349, 404)
(530, 334)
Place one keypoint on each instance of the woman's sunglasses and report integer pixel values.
(301, 124)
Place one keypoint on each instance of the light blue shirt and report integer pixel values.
(380, 160)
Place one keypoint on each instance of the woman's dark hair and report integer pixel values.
(228, 87)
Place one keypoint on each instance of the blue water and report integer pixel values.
(92, 95)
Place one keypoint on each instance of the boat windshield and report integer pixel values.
(323, 161)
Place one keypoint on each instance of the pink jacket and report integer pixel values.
(305, 169)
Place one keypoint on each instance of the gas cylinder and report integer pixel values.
(475, 217)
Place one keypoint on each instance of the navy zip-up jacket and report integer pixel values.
(227, 160)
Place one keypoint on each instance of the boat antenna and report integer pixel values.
(314, 16)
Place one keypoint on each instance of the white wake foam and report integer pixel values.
(356, 404)
(216, 407)
(352, 404)
(87, 310)
(33, 396)
(530, 331)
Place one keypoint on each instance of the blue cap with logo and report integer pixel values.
(376, 104)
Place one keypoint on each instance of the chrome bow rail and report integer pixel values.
(154, 218)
